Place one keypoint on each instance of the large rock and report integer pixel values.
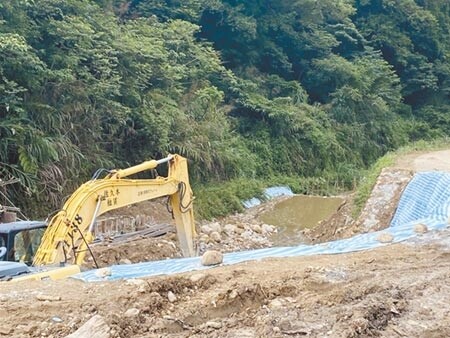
(215, 236)
(139, 283)
(214, 324)
(385, 238)
(206, 229)
(229, 229)
(124, 261)
(133, 312)
(6, 330)
(136, 281)
(95, 327)
(215, 227)
(247, 234)
(239, 231)
(197, 277)
(420, 228)
(171, 297)
(212, 257)
(256, 228)
(267, 229)
(103, 272)
(240, 225)
(276, 304)
(204, 238)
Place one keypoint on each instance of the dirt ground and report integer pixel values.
(399, 290)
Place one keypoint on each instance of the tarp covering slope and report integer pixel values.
(426, 200)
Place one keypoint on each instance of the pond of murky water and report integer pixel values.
(297, 213)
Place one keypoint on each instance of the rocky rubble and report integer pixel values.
(235, 233)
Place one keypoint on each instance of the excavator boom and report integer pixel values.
(70, 231)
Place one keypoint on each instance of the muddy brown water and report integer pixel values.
(298, 213)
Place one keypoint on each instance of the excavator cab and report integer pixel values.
(18, 244)
(19, 241)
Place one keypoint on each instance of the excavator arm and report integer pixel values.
(71, 230)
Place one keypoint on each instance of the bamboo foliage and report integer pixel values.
(244, 89)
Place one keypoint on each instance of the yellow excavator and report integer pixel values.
(66, 240)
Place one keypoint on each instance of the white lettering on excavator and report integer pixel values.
(146, 192)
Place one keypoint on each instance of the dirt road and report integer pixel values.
(399, 290)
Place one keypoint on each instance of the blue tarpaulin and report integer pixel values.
(426, 200)
(269, 193)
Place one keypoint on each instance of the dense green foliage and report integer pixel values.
(245, 89)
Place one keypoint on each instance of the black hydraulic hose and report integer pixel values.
(87, 245)
(169, 207)
(182, 189)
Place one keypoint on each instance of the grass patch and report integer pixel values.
(224, 198)
(218, 199)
